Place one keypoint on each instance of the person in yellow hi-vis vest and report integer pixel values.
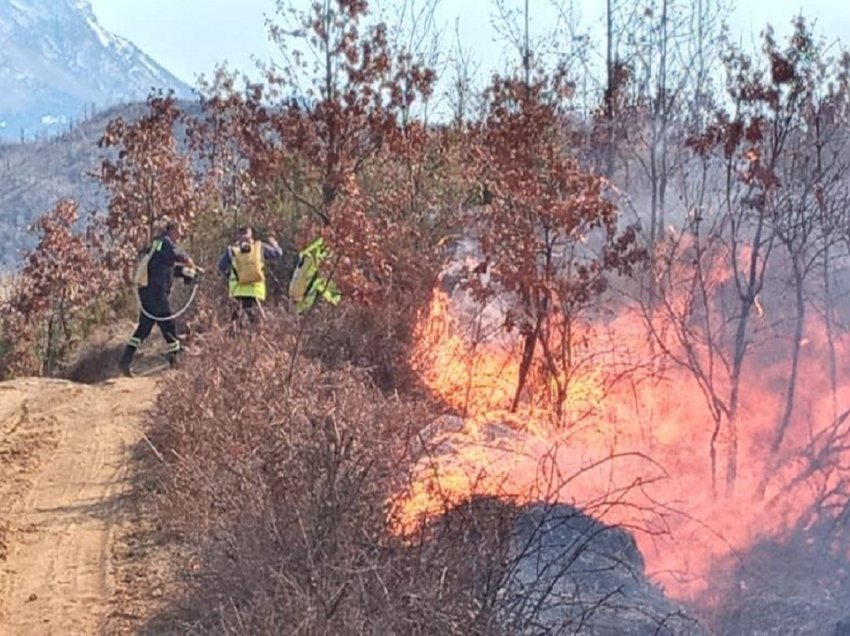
(306, 285)
(244, 265)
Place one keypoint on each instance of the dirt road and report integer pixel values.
(64, 468)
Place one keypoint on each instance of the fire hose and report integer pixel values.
(188, 273)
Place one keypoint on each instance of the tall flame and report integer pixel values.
(635, 454)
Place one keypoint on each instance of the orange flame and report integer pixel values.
(637, 456)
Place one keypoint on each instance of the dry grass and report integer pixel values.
(274, 472)
(282, 486)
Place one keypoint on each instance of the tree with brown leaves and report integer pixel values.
(548, 235)
(59, 279)
(149, 181)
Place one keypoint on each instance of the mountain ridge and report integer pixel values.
(57, 61)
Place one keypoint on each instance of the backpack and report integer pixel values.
(247, 260)
(141, 275)
(303, 277)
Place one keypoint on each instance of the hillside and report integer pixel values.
(57, 62)
(62, 77)
(85, 495)
(38, 174)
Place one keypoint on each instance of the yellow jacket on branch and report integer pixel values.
(306, 284)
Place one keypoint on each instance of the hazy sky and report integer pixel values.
(189, 37)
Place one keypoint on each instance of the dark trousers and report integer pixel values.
(248, 305)
(155, 303)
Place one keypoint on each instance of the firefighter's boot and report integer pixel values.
(127, 357)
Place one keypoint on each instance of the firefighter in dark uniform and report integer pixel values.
(164, 259)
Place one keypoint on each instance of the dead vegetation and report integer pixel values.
(268, 483)
(282, 487)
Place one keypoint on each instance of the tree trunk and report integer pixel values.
(529, 344)
(829, 312)
(790, 390)
(609, 92)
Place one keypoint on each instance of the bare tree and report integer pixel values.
(461, 94)
(748, 149)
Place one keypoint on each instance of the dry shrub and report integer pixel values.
(283, 486)
(376, 337)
